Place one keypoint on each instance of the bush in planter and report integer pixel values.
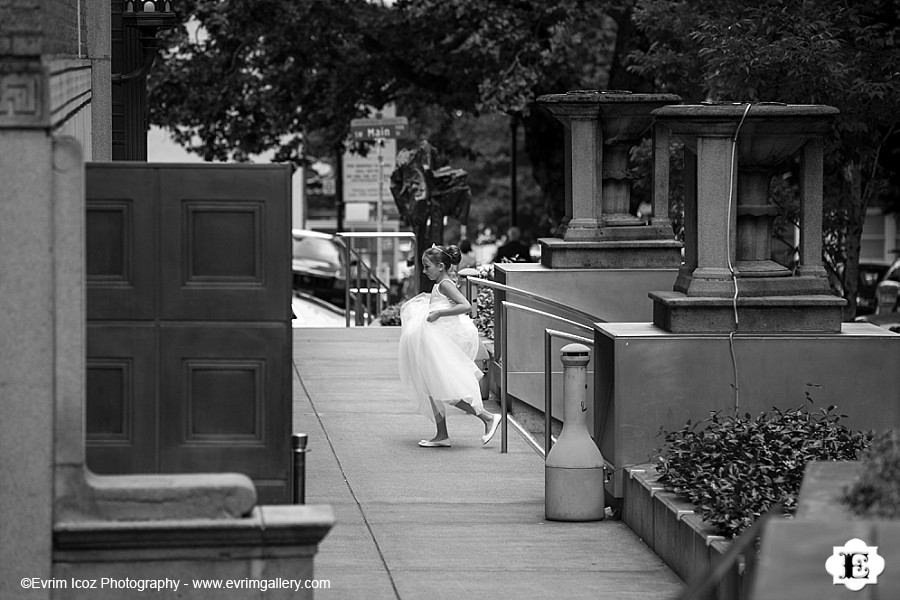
(484, 304)
(390, 316)
(733, 468)
(876, 494)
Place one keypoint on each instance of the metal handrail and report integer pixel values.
(501, 329)
(357, 291)
(705, 585)
(548, 368)
(530, 295)
(346, 239)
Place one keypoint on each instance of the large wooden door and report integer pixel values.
(189, 329)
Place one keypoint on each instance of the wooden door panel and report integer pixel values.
(192, 262)
(223, 254)
(120, 419)
(221, 400)
(120, 252)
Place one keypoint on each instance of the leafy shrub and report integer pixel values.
(484, 304)
(390, 316)
(734, 468)
(876, 494)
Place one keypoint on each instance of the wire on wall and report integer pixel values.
(734, 301)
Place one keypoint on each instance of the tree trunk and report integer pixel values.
(856, 215)
(628, 38)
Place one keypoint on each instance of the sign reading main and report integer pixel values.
(378, 129)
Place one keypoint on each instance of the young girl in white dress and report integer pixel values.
(438, 344)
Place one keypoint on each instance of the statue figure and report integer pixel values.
(425, 195)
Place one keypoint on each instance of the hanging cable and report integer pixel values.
(734, 301)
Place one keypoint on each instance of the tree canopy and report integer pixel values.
(249, 76)
(831, 52)
(265, 75)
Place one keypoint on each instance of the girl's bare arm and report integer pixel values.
(460, 304)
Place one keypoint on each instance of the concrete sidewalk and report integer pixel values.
(441, 523)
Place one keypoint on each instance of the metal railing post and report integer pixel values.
(299, 442)
(548, 391)
(382, 289)
(504, 365)
(368, 295)
(347, 277)
(359, 319)
(379, 303)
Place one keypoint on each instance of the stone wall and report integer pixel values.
(45, 89)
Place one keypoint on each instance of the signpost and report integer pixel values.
(378, 130)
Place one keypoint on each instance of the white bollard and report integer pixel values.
(574, 469)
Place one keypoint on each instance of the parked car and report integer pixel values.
(871, 273)
(893, 272)
(888, 287)
(318, 265)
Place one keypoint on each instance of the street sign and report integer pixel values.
(378, 129)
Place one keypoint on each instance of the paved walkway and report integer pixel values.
(446, 523)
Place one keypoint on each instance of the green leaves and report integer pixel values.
(733, 468)
(876, 494)
(390, 316)
(484, 303)
(257, 75)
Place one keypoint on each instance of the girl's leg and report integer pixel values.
(486, 417)
(440, 421)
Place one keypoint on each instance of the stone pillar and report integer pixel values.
(811, 183)
(100, 54)
(731, 154)
(713, 223)
(601, 128)
(26, 360)
(661, 178)
(567, 190)
(27, 351)
(584, 172)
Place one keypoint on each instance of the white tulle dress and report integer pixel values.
(437, 358)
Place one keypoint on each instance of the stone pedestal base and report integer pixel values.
(679, 313)
(646, 378)
(614, 254)
(719, 283)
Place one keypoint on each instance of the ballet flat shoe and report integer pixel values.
(490, 434)
(430, 444)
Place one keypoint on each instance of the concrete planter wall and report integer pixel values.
(794, 551)
(793, 554)
(667, 523)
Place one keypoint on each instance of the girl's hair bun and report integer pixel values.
(455, 254)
